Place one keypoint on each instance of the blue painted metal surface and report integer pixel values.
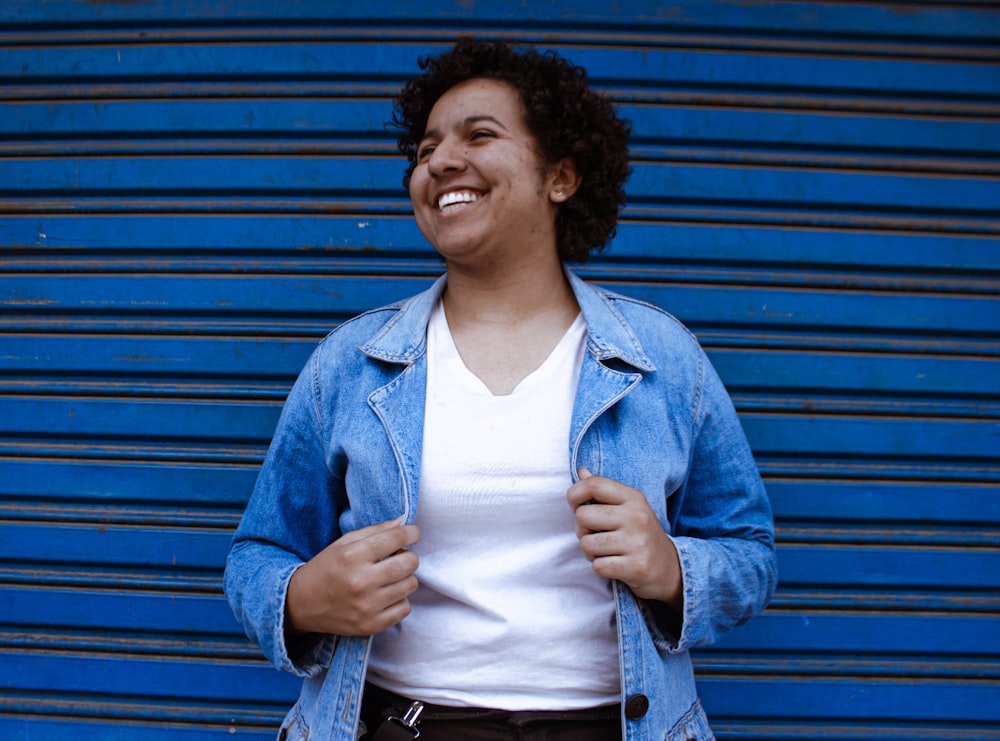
(191, 195)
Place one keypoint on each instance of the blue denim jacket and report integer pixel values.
(650, 412)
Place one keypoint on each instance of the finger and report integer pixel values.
(595, 517)
(397, 567)
(383, 542)
(375, 587)
(611, 567)
(396, 539)
(386, 606)
(390, 616)
(577, 493)
(384, 595)
(602, 490)
(583, 491)
(601, 545)
(397, 591)
(361, 533)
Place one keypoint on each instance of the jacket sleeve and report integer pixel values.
(721, 524)
(291, 516)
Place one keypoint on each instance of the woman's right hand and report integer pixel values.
(356, 586)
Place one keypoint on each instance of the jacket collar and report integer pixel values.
(609, 335)
(403, 338)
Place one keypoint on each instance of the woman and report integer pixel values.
(588, 505)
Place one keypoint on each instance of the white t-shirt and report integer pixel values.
(509, 613)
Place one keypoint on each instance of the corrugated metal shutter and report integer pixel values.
(191, 194)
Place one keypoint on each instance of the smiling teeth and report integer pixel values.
(450, 199)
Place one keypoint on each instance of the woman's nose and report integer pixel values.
(447, 157)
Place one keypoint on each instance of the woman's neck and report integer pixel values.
(504, 328)
(508, 296)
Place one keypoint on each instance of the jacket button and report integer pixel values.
(636, 707)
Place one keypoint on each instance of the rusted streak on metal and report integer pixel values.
(27, 302)
(304, 33)
(915, 223)
(874, 163)
(915, 106)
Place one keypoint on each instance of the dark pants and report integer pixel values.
(440, 723)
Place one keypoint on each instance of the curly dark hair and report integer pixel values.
(566, 117)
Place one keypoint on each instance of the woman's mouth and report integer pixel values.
(456, 200)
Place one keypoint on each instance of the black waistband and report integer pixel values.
(383, 698)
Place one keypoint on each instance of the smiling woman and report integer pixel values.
(472, 489)
(482, 194)
(567, 120)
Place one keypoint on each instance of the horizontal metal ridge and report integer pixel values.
(133, 452)
(125, 390)
(803, 600)
(188, 678)
(941, 468)
(90, 264)
(879, 529)
(714, 336)
(781, 299)
(929, 428)
(148, 388)
(932, 633)
(882, 700)
(841, 491)
(867, 666)
(935, 159)
(908, 220)
(664, 33)
(668, 36)
(283, 241)
(892, 470)
(778, 100)
(119, 512)
(651, 184)
(787, 19)
(820, 466)
(888, 534)
(131, 644)
(222, 718)
(97, 579)
(766, 129)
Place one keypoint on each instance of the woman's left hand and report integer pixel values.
(620, 535)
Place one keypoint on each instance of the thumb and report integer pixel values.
(583, 473)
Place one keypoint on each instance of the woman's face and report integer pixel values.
(480, 190)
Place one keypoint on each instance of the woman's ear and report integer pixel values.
(564, 180)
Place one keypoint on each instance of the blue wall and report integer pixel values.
(192, 194)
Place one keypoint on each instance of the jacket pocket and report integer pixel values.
(693, 726)
(293, 727)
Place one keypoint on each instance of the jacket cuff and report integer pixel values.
(304, 655)
(694, 615)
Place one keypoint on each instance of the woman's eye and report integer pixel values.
(481, 134)
(424, 152)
